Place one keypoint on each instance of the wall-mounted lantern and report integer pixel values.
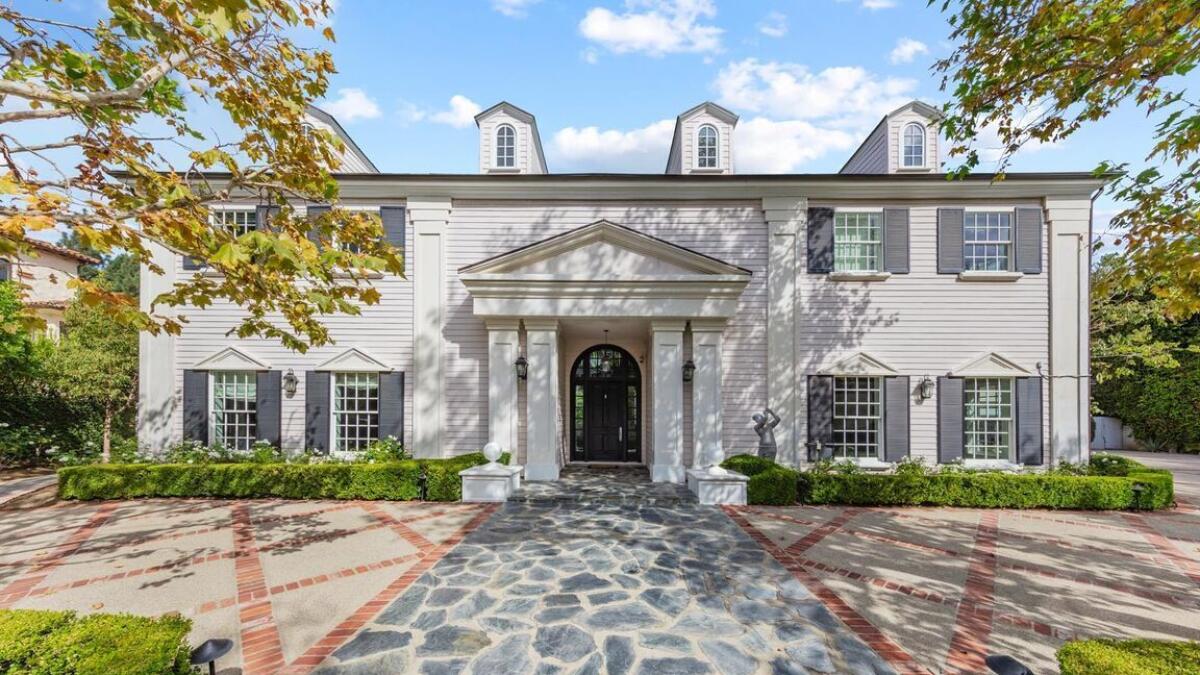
(689, 370)
(926, 388)
(290, 381)
(522, 366)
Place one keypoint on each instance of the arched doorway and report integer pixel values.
(606, 399)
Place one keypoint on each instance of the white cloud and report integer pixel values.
(766, 146)
(907, 49)
(461, 113)
(774, 25)
(352, 104)
(878, 4)
(592, 149)
(848, 95)
(654, 27)
(513, 8)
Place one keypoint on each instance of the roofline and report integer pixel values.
(332, 121)
(862, 145)
(63, 251)
(712, 178)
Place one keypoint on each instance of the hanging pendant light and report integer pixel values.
(606, 364)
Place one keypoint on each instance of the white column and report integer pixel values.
(707, 344)
(541, 400)
(429, 217)
(786, 218)
(667, 366)
(503, 349)
(1069, 224)
(157, 398)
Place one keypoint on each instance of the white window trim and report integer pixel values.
(865, 275)
(860, 276)
(333, 444)
(212, 413)
(980, 275)
(1000, 464)
(1012, 422)
(992, 275)
(204, 269)
(696, 155)
(875, 461)
(496, 166)
(924, 147)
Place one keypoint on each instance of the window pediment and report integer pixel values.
(354, 360)
(860, 364)
(989, 365)
(231, 358)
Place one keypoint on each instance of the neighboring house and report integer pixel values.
(882, 312)
(44, 276)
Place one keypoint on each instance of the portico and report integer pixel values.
(596, 326)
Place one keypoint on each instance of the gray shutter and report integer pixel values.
(950, 241)
(1029, 240)
(268, 389)
(950, 419)
(195, 406)
(895, 241)
(895, 418)
(316, 411)
(820, 412)
(393, 225)
(263, 215)
(190, 263)
(313, 213)
(1028, 395)
(820, 240)
(391, 405)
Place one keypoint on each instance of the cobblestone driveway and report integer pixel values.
(606, 588)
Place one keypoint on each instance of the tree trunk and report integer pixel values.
(107, 443)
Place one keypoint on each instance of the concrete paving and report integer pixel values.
(1185, 467)
(15, 486)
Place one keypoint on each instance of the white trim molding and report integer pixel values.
(355, 360)
(860, 364)
(990, 364)
(231, 358)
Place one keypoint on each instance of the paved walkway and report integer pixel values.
(1185, 467)
(14, 488)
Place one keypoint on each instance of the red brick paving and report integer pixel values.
(23, 585)
(973, 622)
(1165, 546)
(262, 649)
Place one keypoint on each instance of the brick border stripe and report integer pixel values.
(812, 538)
(262, 649)
(973, 621)
(345, 630)
(416, 539)
(863, 534)
(24, 585)
(1165, 546)
(900, 660)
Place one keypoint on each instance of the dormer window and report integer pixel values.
(914, 146)
(706, 147)
(506, 147)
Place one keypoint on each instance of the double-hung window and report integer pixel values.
(857, 417)
(234, 409)
(706, 147)
(236, 221)
(506, 147)
(988, 418)
(987, 241)
(857, 241)
(914, 146)
(355, 411)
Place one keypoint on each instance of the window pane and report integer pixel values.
(857, 409)
(706, 148)
(355, 410)
(237, 221)
(857, 242)
(234, 409)
(987, 240)
(506, 146)
(987, 418)
(914, 145)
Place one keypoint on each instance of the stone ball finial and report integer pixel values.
(492, 451)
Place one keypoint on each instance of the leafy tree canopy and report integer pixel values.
(128, 89)
(1039, 70)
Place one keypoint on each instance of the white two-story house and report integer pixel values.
(882, 312)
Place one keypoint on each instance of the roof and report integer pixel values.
(526, 117)
(919, 106)
(341, 132)
(46, 304)
(63, 251)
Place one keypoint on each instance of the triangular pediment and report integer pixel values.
(860, 364)
(354, 361)
(231, 358)
(603, 250)
(989, 365)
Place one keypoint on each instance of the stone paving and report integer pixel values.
(610, 484)
(606, 588)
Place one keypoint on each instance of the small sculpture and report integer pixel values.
(766, 433)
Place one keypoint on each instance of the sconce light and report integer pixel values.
(522, 366)
(926, 388)
(689, 370)
(289, 383)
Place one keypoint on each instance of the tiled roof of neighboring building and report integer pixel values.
(47, 304)
(63, 251)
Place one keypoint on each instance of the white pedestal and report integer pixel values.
(718, 487)
(489, 482)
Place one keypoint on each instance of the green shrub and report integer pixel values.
(769, 484)
(748, 465)
(1129, 657)
(35, 642)
(335, 480)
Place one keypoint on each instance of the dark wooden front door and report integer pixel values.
(604, 421)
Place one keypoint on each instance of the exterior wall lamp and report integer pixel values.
(289, 383)
(926, 388)
(689, 370)
(522, 366)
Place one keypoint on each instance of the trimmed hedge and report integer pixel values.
(1129, 657)
(770, 483)
(37, 642)
(991, 490)
(386, 480)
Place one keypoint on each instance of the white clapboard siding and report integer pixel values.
(731, 231)
(922, 323)
(383, 331)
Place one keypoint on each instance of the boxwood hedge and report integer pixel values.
(385, 480)
(37, 642)
(1129, 657)
(770, 483)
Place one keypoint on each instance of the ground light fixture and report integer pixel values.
(209, 652)
(689, 370)
(522, 367)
